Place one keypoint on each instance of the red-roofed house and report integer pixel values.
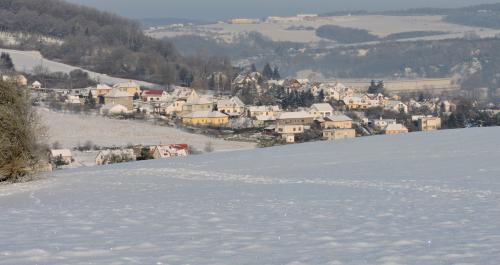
(153, 95)
(171, 150)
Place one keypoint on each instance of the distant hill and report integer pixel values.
(155, 22)
(95, 40)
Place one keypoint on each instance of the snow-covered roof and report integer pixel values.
(322, 107)
(265, 118)
(116, 93)
(294, 115)
(395, 127)
(129, 84)
(263, 108)
(232, 102)
(103, 87)
(340, 117)
(60, 152)
(205, 114)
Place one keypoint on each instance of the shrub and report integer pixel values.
(20, 130)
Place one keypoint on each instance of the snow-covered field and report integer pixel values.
(376, 24)
(420, 198)
(71, 129)
(26, 61)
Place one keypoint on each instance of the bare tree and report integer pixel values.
(209, 147)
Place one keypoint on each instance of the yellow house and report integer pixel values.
(119, 97)
(429, 123)
(337, 134)
(205, 118)
(130, 87)
(336, 122)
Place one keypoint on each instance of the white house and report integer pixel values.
(62, 154)
(105, 157)
(321, 110)
(171, 150)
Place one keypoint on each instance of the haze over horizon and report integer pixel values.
(224, 9)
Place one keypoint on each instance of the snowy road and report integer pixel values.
(412, 199)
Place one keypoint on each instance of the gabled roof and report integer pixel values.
(104, 87)
(205, 114)
(232, 102)
(264, 108)
(153, 92)
(340, 117)
(129, 84)
(294, 115)
(115, 93)
(322, 107)
(60, 152)
(396, 127)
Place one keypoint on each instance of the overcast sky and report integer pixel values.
(223, 9)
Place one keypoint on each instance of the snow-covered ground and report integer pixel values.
(376, 24)
(26, 61)
(420, 198)
(71, 129)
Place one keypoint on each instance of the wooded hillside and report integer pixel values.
(98, 41)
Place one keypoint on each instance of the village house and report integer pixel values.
(269, 111)
(36, 85)
(397, 128)
(118, 97)
(319, 110)
(233, 106)
(336, 122)
(73, 100)
(62, 155)
(171, 150)
(154, 95)
(396, 106)
(288, 131)
(380, 124)
(429, 123)
(129, 87)
(263, 120)
(101, 91)
(356, 102)
(337, 134)
(295, 118)
(105, 157)
(205, 118)
(198, 104)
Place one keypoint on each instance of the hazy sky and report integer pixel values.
(223, 9)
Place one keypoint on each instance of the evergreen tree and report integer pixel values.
(267, 72)
(253, 68)
(321, 96)
(6, 62)
(276, 74)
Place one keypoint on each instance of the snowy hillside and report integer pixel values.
(429, 198)
(26, 61)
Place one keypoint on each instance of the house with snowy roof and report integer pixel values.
(339, 121)
(63, 155)
(205, 118)
(232, 106)
(118, 97)
(319, 110)
(270, 110)
(295, 118)
(169, 150)
(396, 128)
(129, 87)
